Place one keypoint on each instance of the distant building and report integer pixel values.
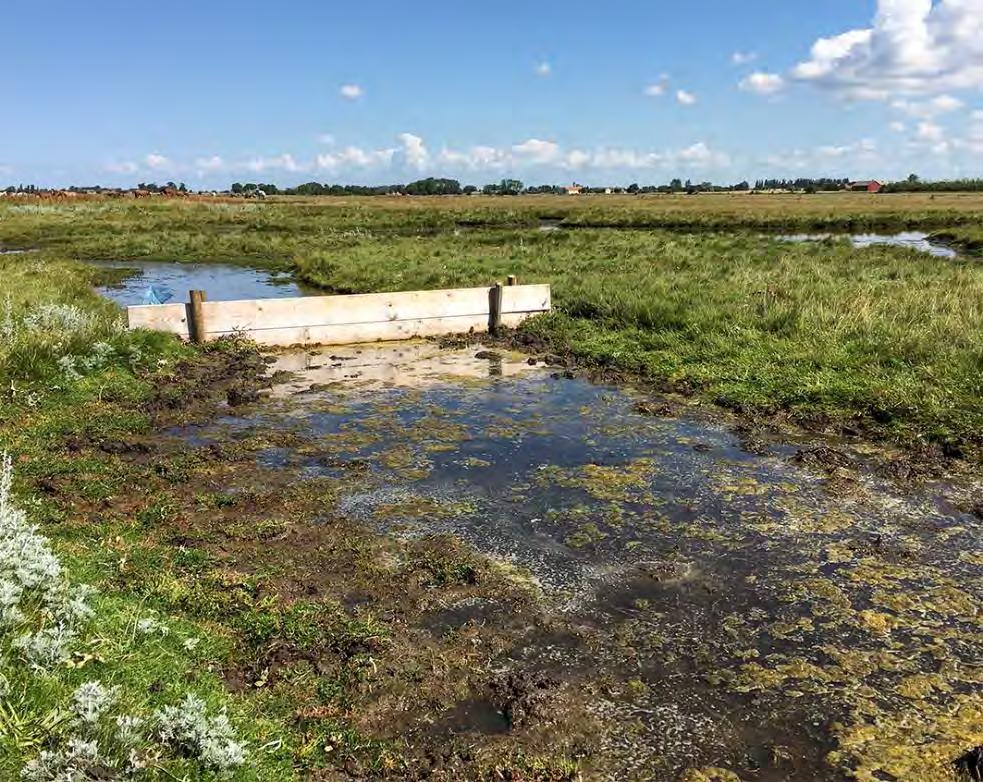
(575, 189)
(871, 186)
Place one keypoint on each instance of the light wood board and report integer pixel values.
(339, 320)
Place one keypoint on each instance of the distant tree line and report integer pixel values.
(808, 185)
(914, 184)
(436, 186)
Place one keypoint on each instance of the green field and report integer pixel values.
(698, 300)
(689, 294)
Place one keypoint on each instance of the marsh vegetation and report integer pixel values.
(505, 574)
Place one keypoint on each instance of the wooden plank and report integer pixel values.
(347, 334)
(250, 314)
(196, 318)
(339, 320)
(526, 298)
(495, 308)
(172, 318)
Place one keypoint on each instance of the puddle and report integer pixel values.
(221, 282)
(722, 607)
(391, 365)
(913, 240)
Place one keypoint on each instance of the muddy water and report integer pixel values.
(771, 607)
(221, 282)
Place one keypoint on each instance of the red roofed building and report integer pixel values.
(873, 186)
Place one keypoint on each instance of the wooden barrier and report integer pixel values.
(340, 320)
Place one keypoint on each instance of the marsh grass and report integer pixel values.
(885, 335)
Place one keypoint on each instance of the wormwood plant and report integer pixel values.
(44, 619)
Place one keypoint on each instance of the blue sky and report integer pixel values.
(552, 91)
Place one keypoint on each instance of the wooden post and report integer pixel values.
(495, 308)
(196, 318)
(513, 280)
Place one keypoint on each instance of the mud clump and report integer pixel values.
(241, 395)
(654, 409)
(824, 457)
(970, 765)
(522, 697)
(195, 385)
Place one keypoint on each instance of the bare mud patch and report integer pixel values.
(773, 610)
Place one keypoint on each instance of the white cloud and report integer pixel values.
(206, 165)
(864, 148)
(354, 157)
(657, 88)
(576, 158)
(543, 157)
(156, 161)
(857, 159)
(929, 131)
(743, 58)
(544, 68)
(914, 47)
(351, 91)
(762, 83)
(685, 98)
(284, 162)
(702, 155)
(897, 127)
(537, 151)
(326, 138)
(927, 109)
(414, 151)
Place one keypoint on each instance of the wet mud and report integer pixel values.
(557, 578)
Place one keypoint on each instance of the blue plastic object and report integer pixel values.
(155, 295)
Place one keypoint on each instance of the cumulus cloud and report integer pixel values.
(913, 47)
(926, 109)
(762, 83)
(284, 162)
(849, 158)
(897, 127)
(156, 161)
(351, 91)
(685, 98)
(743, 58)
(208, 165)
(537, 151)
(354, 157)
(414, 151)
(929, 131)
(863, 148)
(411, 154)
(657, 88)
(544, 68)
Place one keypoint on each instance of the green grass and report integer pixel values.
(885, 334)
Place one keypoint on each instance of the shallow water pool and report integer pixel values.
(720, 598)
(220, 281)
(914, 240)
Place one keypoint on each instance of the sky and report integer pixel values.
(547, 91)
